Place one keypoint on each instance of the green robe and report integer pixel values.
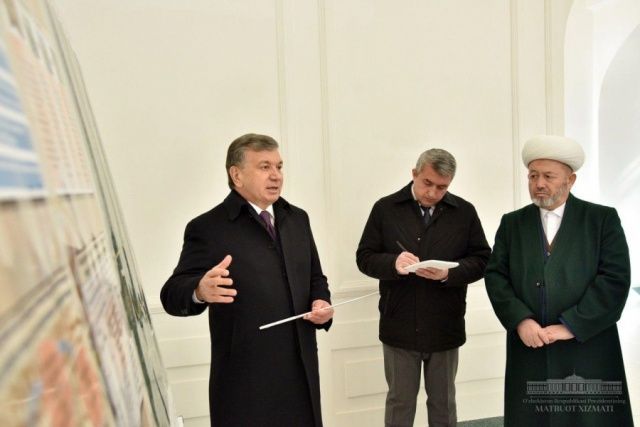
(584, 284)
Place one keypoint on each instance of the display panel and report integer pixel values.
(76, 342)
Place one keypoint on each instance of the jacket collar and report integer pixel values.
(405, 195)
(234, 203)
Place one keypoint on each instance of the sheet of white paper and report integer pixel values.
(431, 263)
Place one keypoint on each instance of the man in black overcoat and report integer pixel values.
(267, 269)
(422, 314)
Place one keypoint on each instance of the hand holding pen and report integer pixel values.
(405, 259)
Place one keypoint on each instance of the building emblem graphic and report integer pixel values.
(574, 385)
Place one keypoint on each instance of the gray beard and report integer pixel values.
(550, 201)
(544, 203)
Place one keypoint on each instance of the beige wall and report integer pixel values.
(354, 90)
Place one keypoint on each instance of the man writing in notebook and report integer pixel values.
(422, 314)
(267, 269)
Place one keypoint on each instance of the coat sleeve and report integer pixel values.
(509, 309)
(371, 257)
(177, 293)
(601, 305)
(472, 266)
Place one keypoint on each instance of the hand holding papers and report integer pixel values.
(431, 263)
(407, 256)
(288, 319)
(320, 313)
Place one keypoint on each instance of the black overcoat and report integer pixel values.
(258, 378)
(584, 284)
(417, 313)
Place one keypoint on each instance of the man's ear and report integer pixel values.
(236, 175)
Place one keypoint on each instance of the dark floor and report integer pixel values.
(485, 422)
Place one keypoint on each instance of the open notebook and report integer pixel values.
(433, 263)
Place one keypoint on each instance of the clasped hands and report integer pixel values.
(533, 335)
(406, 259)
(215, 287)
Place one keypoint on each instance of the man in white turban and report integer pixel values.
(558, 280)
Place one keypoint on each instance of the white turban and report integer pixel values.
(551, 147)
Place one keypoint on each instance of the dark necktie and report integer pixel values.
(426, 217)
(266, 218)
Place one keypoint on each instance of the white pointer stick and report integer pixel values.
(288, 319)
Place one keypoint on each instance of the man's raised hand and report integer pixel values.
(215, 284)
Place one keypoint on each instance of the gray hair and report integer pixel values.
(250, 141)
(442, 162)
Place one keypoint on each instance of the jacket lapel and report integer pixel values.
(532, 235)
(447, 203)
(563, 241)
(289, 238)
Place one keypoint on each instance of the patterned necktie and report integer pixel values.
(266, 218)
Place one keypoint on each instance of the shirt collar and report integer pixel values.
(259, 210)
(559, 211)
(234, 203)
(413, 194)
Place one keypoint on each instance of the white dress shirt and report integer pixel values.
(551, 221)
(422, 208)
